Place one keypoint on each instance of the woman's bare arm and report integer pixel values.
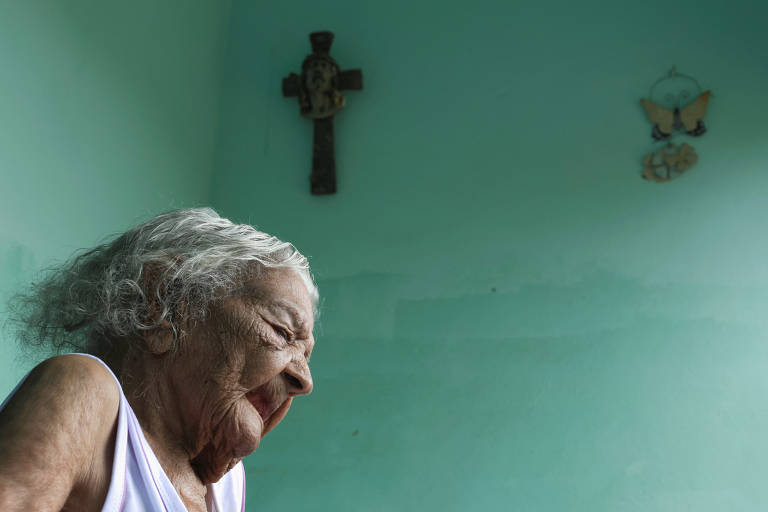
(55, 433)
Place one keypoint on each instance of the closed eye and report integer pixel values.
(282, 332)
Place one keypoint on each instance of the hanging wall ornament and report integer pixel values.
(676, 106)
(669, 162)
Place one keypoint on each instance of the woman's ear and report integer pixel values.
(159, 340)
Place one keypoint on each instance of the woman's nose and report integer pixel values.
(299, 379)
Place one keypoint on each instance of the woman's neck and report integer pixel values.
(146, 382)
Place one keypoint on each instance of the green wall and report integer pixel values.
(512, 318)
(108, 113)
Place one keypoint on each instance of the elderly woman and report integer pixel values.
(195, 336)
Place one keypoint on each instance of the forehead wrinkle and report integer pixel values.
(256, 295)
(246, 324)
(293, 311)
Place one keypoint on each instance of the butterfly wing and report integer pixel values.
(663, 118)
(692, 114)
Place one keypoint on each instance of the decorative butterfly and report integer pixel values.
(689, 117)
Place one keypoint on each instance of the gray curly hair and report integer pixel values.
(183, 260)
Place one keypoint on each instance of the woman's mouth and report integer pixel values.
(271, 409)
(263, 402)
(277, 415)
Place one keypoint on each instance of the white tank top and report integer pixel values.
(139, 483)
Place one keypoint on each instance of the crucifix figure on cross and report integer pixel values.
(318, 89)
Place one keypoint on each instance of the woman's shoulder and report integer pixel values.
(83, 368)
(62, 416)
(77, 381)
(72, 394)
(73, 379)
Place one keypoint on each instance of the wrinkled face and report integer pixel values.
(237, 373)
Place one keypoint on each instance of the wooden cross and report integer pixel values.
(318, 89)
